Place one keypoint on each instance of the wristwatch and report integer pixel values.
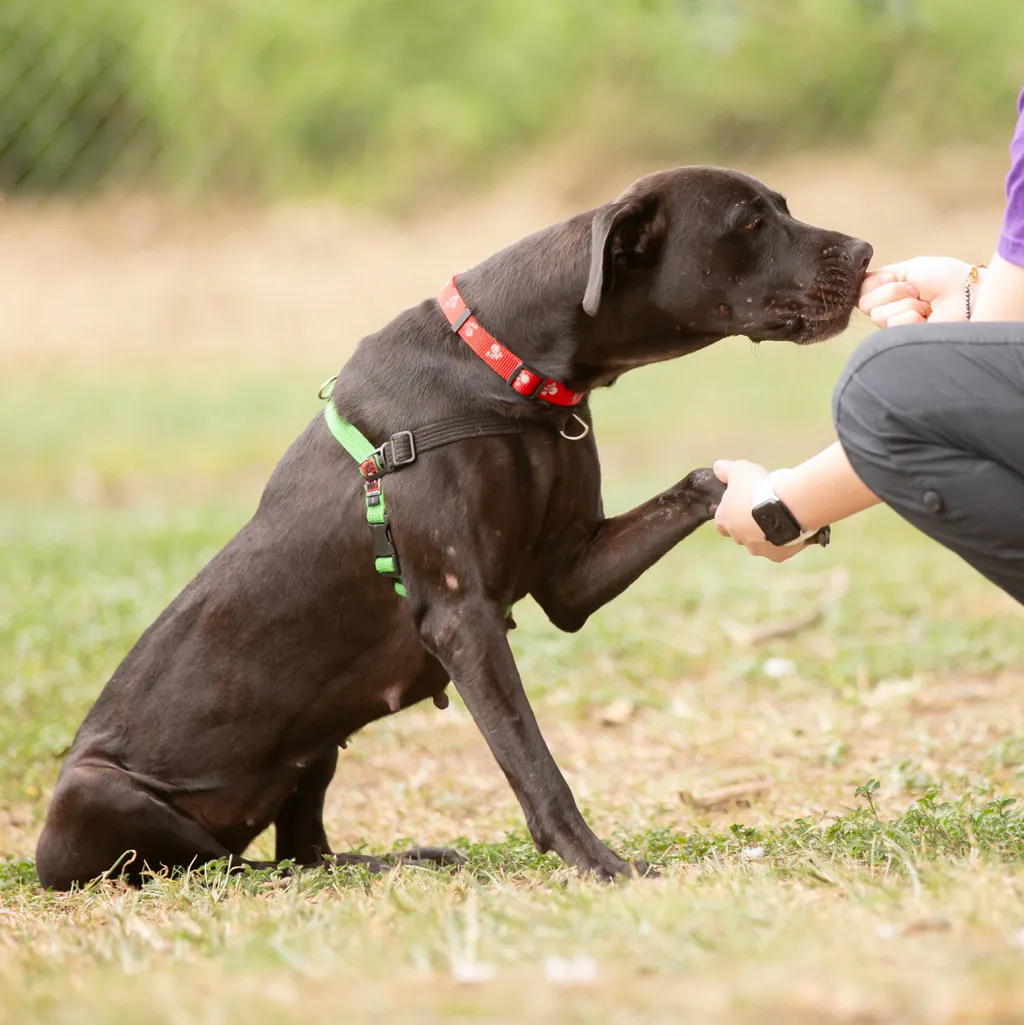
(779, 525)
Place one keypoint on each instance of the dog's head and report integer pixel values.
(718, 253)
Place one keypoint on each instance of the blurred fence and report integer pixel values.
(375, 99)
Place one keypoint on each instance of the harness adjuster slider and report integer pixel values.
(398, 450)
(373, 489)
(520, 380)
(459, 322)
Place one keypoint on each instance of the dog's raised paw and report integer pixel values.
(705, 486)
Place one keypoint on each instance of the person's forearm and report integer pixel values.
(1000, 293)
(824, 489)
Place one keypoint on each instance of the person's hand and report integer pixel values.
(911, 292)
(733, 517)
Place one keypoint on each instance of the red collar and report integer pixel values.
(517, 375)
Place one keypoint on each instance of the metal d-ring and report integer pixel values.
(577, 437)
(324, 388)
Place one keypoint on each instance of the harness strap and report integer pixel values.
(355, 443)
(403, 449)
(351, 439)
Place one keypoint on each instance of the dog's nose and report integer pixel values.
(859, 254)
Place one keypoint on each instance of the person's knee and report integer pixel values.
(928, 381)
(883, 409)
(888, 365)
(870, 393)
(916, 414)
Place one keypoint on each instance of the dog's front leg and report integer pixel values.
(467, 636)
(597, 563)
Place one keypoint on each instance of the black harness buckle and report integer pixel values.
(383, 546)
(399, 450)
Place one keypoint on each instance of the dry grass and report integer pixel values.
(141, 284)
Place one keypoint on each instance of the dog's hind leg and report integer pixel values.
(101, 821)
(299, 825)
(300, 828)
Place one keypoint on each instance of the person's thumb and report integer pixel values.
(722, 468)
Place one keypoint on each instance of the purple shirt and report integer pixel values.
(1011, 241)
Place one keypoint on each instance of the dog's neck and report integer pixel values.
(529, 296)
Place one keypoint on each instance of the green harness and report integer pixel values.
(371, 466)
(403, 449)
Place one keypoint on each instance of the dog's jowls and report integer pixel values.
(227, 715)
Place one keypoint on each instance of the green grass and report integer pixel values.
(810, 902)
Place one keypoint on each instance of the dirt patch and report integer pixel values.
(429, 775)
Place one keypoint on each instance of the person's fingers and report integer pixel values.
(882, 315)
(875, 279)
(899, 270)
(787, 553)
(774, 553)
(883, 275)
(908, 317)
(722, 468)
(720, 517)
(886, 294)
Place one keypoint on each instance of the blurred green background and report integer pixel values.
(204, 204)
(375, 99)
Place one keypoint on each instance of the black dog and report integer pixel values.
(228, 713)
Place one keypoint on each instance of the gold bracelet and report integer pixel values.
(971, 279)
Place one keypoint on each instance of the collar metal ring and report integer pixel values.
(325, 389)
(576, 437)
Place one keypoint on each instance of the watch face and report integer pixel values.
(775, 520)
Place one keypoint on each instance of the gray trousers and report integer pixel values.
(932, 419)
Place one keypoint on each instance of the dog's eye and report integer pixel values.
(753, 224)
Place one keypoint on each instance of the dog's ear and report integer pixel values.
(627, 234)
